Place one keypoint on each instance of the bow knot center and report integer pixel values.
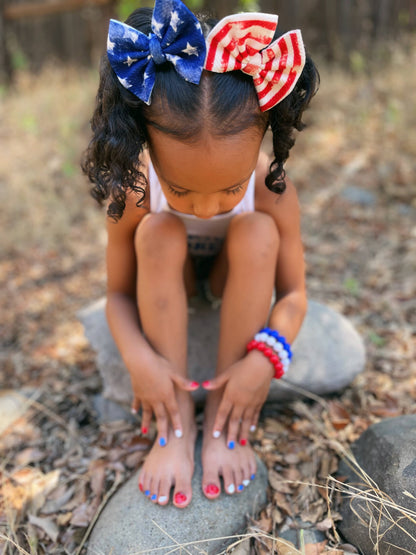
(156, 50)
(252, 64)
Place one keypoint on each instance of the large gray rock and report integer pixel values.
(328, 352)
(130, 523)
(382, 519)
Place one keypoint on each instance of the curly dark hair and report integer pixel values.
(224, 104)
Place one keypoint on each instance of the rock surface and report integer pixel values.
(130, 523)
(387, 453)
(328, 352)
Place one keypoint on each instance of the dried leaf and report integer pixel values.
(97, 479)
(47, 525)
(338, 415)
(282, 503)
(83, 515)
(325, 525)
(284, 547)
(29, 455)
(315, 548)
(278, 483)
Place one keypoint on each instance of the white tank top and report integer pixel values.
(205, 237)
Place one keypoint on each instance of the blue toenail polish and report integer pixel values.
(154, 497)
(162, 441)
(252, 477)
(240, 488)
(147, 493)
(231, 445)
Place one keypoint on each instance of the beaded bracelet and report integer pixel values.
(275, 347)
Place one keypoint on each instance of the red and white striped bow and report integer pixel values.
(242, 42)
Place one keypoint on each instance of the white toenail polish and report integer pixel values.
(246, 483)
(178, 433)
(216, 434)
(252, 428)
(162, 499)
(231, 489)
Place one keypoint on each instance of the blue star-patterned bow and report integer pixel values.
(177, 37)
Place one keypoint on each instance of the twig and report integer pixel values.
(9, 540)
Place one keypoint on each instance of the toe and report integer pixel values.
(229, 481)
(164, 490)
(182, 495)
(211, 485)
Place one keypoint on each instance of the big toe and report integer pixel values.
(182, 494)
(211, 485)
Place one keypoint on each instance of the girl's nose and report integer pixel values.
(206, 207)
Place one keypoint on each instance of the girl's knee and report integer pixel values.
(161, 236)
(253, 235)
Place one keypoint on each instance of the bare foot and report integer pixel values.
(172, 465)
(237, 466)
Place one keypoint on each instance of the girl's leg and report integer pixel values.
(161, 250)
(245, 276)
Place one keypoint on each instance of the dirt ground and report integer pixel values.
(354, 168)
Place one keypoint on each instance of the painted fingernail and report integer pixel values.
(194, 385)
(162, 499)
(154, 497)
(206, 384)
(141, 487)
(162, 442)
(243, 442)
(178, 433)
(231, 489)
(216, 434)
(147, 493)
(231, 445)
(252, 477)
(246, 483)
(144, 430)
(252, 428)
(180, 498)
(133, 410)
(212, 489)
(240, 487)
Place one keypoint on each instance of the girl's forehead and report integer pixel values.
(220, 161)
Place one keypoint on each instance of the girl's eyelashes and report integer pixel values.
(176, 192)
(234, 191)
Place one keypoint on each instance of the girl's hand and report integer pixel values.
(153, 381)
(246, 385)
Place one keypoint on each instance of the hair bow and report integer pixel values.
(242, 42)
(176, 37)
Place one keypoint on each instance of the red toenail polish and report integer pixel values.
(206, 384)
(140, 487)
(243, 442)
(144, 430)
(212, 489)
(194, 385)
(180, 498)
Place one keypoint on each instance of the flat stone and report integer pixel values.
(357, 195)
(387, 453)
(130, 523)
(328, 352)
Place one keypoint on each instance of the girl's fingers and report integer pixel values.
(146, 417)
(255, 419)
(175, 417)
(135, 406)
(246, 424)
(222, 414)
(183, 383)
(216, 383)
(234, 426)
(162, 423)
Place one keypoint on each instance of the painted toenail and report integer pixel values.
(162, 442)
(212, 489)
(147, 492)
(243, 442)
(162, 499)
(231, 445)
(141, 487)
(252, 477)
(246, 483)
(178, 433)
(144, 430)
(154, 497)
(133, 410)
(240, 487)
(252, 428)
(216, 434)
(180, 498)
(231, 489)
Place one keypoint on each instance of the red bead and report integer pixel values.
(261, 347)
(274, 359)
(278, 374)
(268, 352)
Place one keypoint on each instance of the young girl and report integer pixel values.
(181, 113)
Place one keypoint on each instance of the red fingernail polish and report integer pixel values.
(180, 498)
(144, 430)
(212, 489)
(194, 385)
(206, 384)
(140, 487)
(243, 442)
